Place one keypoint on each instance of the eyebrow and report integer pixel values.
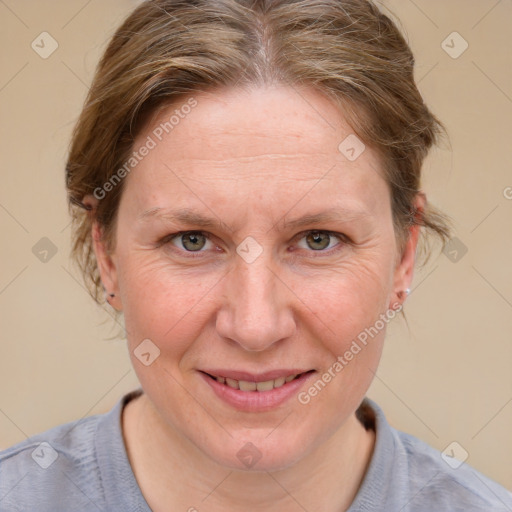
(331, 215)
(187, 216)
(184, 216)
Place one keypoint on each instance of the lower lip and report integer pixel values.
(257, 401)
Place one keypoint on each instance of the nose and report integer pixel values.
(257, 306)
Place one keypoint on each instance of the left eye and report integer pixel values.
(318, 240)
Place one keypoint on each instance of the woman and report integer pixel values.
(245, 185)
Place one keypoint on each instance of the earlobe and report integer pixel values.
(404, 271)
(106, 266)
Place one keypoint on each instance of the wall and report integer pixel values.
(447, 377)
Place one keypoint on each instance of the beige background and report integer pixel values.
(446, 378)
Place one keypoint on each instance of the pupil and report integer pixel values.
(193, 241)
(318, 241)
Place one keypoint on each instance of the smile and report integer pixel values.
(256, 393)
(266, 385)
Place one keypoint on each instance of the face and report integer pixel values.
(250, 248)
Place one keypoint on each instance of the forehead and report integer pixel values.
(250, 139)
(273, 119)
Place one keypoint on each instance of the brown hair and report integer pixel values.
(168, 49)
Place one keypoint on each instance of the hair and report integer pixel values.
(167, 50)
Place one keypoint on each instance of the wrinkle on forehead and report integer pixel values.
(265, 149)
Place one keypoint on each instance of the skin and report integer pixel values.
(253, 159)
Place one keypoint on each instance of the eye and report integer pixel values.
(190, 241)
(198, 241)
(319, 240)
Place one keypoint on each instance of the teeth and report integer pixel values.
(279, 382)
(265, 386)
(244, 385)
(232, 383)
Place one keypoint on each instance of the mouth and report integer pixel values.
(256, 393)
(257, 385)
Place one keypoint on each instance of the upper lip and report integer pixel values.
(255, 377)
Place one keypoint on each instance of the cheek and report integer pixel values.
(175, 306)
(347, 300)
(163, 304)
(348, 317)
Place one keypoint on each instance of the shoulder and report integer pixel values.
(47, 469)
(412, 476)
(451, 482)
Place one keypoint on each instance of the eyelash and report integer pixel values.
(343, 240)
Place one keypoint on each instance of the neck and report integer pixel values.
(170, 470)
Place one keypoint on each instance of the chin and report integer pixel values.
(257, 454)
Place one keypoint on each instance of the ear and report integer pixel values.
(105, 259)
(404, 271)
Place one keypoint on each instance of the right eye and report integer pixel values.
(189, 241)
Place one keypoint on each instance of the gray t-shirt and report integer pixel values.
(82, 466)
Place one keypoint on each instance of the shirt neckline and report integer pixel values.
(124, 493)
(372, 493)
